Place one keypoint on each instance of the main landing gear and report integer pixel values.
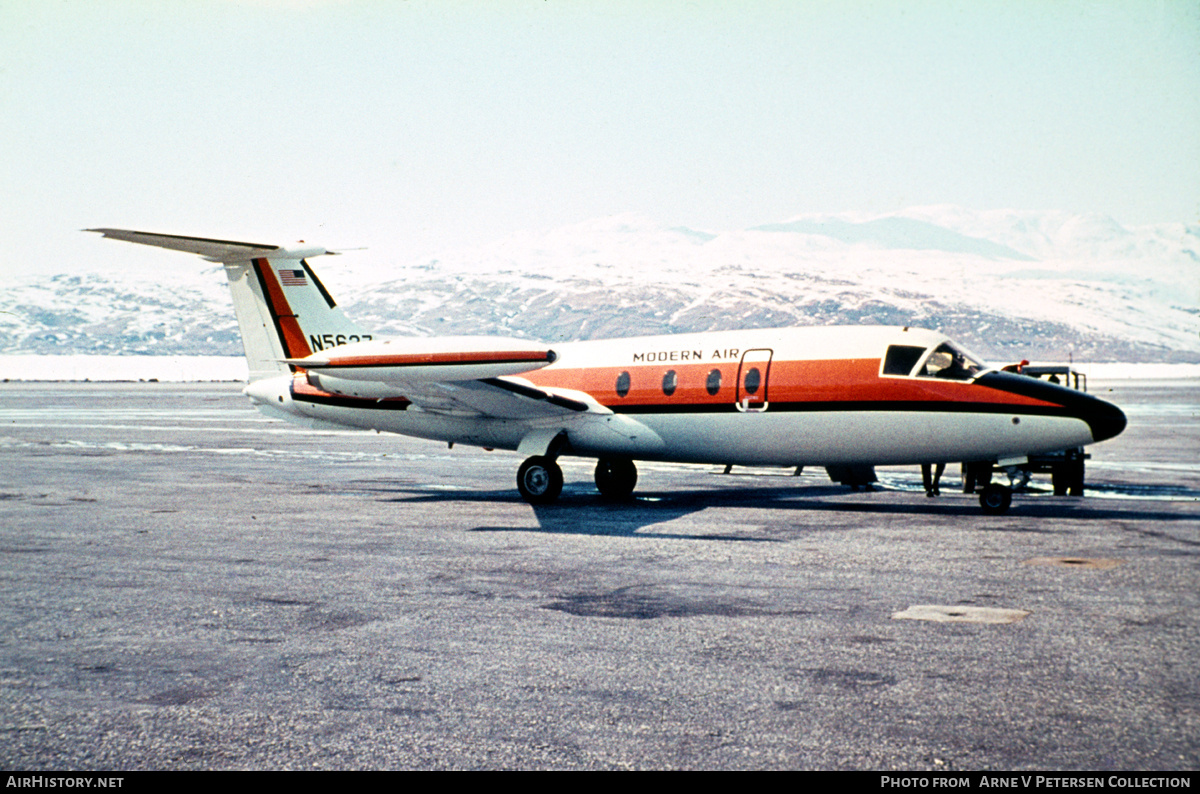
(615, 477)
(540, 480)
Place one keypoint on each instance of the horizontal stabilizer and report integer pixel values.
(212, 250)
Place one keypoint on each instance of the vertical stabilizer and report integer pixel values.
(283, 309)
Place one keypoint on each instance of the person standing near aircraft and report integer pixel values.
(931, 477)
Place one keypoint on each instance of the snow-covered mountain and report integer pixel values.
(1008, 284)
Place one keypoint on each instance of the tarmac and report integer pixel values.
(189, 585)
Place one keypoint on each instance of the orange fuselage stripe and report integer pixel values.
(837, 380)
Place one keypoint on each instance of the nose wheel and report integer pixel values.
(539, 480)
(995, 499)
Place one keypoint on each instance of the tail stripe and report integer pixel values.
(286, 325)
(317, 282)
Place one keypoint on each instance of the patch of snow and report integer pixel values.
(173, 369)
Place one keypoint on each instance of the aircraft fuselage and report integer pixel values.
(793, 396)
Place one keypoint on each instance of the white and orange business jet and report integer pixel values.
(848, 396)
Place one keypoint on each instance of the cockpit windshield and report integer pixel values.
(946, 361)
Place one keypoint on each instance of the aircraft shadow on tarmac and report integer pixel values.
(581, 511)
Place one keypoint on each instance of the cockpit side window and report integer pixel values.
(950, 363)
(901, 359)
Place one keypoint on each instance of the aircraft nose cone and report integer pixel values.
(1105, 419)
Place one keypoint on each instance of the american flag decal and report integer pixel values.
(292, 278)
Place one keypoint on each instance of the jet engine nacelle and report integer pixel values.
(398, 361)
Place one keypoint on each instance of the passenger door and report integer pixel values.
(753, 374)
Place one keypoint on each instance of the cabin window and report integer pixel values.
(753, 381)
(901, 359)
(623, 384)
(670, 382)
(713, 384)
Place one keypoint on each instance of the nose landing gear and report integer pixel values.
(995, 499)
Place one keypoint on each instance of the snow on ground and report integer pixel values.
(1106, 372)
(175, 369)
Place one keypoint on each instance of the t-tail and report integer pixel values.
(283, 309)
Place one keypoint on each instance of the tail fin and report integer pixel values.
(283, 309)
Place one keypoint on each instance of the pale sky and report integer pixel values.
(420, 126)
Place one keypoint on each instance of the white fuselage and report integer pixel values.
(820, 399)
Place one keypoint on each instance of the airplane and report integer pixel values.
(843, 397)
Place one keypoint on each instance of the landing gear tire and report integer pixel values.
(995, 499)
(616, 477)
(1058, 476)
(1068, 478)
(1077, 479)
(539, 480)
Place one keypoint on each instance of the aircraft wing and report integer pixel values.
(544, 413)
(539, 414)
(464, 376)
(504, 397)
(495, 398)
